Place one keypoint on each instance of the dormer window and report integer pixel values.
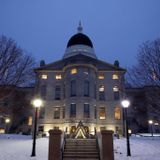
(115, 76)
(58, 76)
(101, 76)
(73, 71)
(44, 76)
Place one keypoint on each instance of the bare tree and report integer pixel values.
(147, 73)
(16, 67)
(147, 70)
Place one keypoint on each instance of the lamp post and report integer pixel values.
(37, 103)
(125, 103)
(151, 126)
(7, 121)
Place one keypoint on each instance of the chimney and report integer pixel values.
(116, 63)
(42, 63)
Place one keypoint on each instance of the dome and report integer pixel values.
(79, 44)
(79, 39)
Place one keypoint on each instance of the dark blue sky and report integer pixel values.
(116, 27)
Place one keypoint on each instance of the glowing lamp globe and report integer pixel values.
(125, 103)
(7, 120)
(37, 103)
(150, 122)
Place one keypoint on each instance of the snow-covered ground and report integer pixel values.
(18, 147)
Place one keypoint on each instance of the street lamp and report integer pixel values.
(151, 126)
(37, 103)
(125, 103)
(7, 121)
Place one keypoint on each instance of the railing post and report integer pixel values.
(107, 145)
(54, 145)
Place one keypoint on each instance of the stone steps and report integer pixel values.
(80, 149)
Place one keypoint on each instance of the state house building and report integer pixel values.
(80, 88)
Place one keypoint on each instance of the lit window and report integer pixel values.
(44, 76)
(115, 89)
(117, 113)
(101, 88)
(74, 71)
(2, 130)
(102, 114)
(101, 92)
(30, 120)
(115, 76)
(57, 113)
(116, 93)
(101, 76)
(58, 76)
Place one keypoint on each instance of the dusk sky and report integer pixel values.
(116, 27)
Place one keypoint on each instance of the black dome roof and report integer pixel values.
(80, 38)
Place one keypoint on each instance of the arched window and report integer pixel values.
(117, 113)
(73, 71)
(73, 88)
(86, 88)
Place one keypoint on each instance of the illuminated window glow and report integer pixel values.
(73, 71)
(115, 76)
(101, 76)
(102, 114)
(117, 113)
(101, 92)
(2, 130)
(115, 89)
(101, 88)
(58, 76)
(30, 120)
(116, 92)
(44, 76)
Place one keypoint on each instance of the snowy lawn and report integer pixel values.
(18, 147)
